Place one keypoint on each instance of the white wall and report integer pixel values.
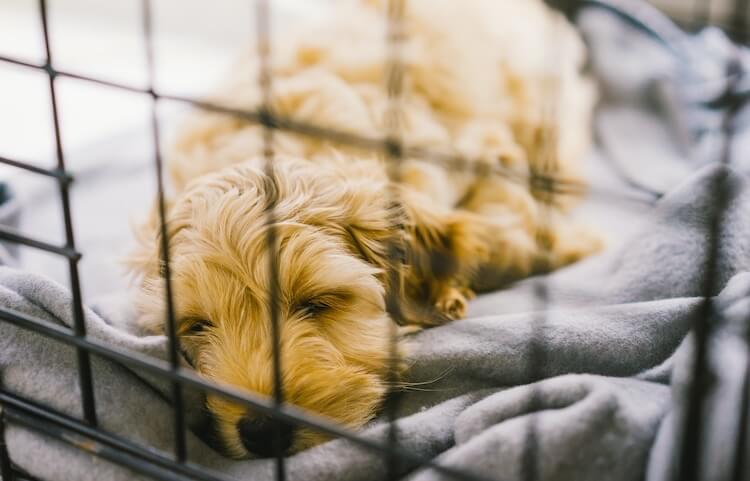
(195, 41)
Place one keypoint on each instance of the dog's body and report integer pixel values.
(479, 83)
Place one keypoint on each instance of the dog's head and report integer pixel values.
(330, 230)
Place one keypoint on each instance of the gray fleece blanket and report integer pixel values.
(597, 374)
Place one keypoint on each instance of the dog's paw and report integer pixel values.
(454, 301)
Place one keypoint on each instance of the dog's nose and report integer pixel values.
(259, 433)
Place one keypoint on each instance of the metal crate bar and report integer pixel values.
(85, 434)
(264, 82)
(741, 23)
(54, 72)
(98, 442)
(11, 235)
(6, 469)
(180, 450)
(448, 160)
(60, 176)
(95, 441)
(691, 448)
(740, 459)
(394, 154)
(188, 377)
(547, 167)
(84, 361)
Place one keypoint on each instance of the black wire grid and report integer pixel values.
(84, 433)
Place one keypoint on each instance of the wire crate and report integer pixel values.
(85, 434)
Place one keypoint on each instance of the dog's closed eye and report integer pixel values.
(314, 307)
(198, 326)
(322, 304)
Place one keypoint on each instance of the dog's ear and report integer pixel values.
(434, 260)
(392, 250)
(419, 248)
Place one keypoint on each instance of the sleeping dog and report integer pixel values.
(495, 82)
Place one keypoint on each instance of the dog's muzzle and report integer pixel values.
(258, 435)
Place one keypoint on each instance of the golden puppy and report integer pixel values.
(496, 81)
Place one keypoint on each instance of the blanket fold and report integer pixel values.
(580, 379)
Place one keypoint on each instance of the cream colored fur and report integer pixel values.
(496, 81)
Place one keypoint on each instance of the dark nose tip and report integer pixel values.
(258, 434)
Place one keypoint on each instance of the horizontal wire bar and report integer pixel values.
(448, 160)
(64, 73)
(11, 235)
(55, 173)
(263, 405)
(85, 378)
(22, 63)
(86, 444)
(16, 402)
(385, 145)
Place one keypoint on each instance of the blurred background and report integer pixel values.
(105, 131)
(195, 40)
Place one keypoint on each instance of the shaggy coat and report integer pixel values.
(360, 243)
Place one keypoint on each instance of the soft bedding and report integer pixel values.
(597, 372)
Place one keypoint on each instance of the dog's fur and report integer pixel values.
(479, 76)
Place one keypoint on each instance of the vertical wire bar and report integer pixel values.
(739, 25)
(263, 26)
(6, 469)
(180, 449)
(537, 356)
(740, 462)
(543, 169)
(691, 451)
(394, 74)
(79, 327)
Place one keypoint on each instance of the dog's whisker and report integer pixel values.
(439, 377)
(406, 388)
